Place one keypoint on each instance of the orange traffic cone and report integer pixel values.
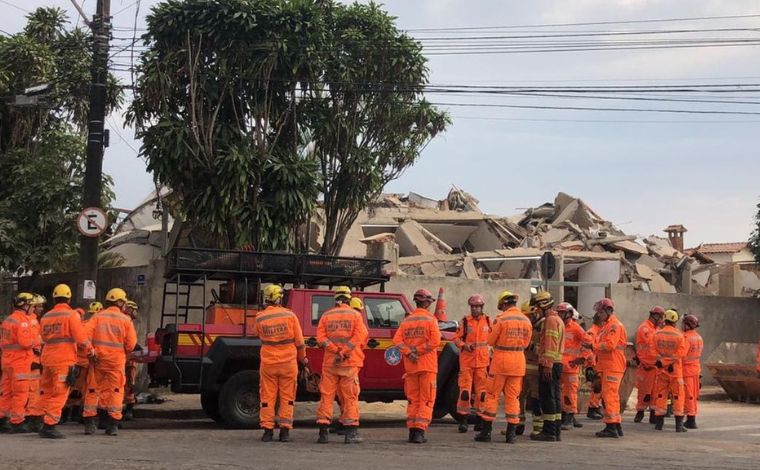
(440, 307)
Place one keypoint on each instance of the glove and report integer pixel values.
(670, 368)
(71, 377)
(635, 362)
(658, 364)
(37, 366)
(467, 347)
(413, 356)
(578, 361)
(590, 374)
(138, 348)
(304, 361)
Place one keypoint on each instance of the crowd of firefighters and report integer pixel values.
(67, 363)
(534, 355)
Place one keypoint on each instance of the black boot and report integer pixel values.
(89, 426)
(418, 436)
(478, 424)
(50, 432)
(659, 422)
(20, 428)
(462, 424)
(567, 421)
(558, 429)
(619, 429)
(652, 417)
(5, 427)
(412, 432)
(75, 415)
(576, 423)
(679, 424)
(112, 428)
(547, 434)
(268, 435)
(593, 413)
(511, 433)
(323, 435)
(65, 413)
(691, 422)
(610, 430)
(102, 419)
(639, 416)
(129, 412)
(485, 432)
(284, 435)
(352, 435)
(519, 430)
(34, 423)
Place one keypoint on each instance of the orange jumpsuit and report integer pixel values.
(79, 390)
(510, 336)
(17, 342)
(62, 333)
(418, 333)
(692, 369)
(343, 334)
(595, 399)
(473, 365)
(281, 346)
(671, 347)
(130, 374)
(570, 381)
(33, 407)
(646, 371)
(611, 363)
(113, 337)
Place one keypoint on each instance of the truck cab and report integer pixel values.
(219, 357)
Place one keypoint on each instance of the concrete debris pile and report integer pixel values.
(453, 237)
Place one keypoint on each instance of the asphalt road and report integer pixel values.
(174, 437)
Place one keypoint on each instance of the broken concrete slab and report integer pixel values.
(412, 241)
(631, 246)
(657, 283)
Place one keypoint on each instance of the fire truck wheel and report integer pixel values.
(239, 400)
(447, 402)
(210, 405)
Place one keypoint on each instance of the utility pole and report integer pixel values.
(96, 138)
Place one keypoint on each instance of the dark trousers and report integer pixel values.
(549, 394)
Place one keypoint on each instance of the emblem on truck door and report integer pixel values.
(393, 356)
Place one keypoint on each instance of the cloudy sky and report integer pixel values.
(642, 170)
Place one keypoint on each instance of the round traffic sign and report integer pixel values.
(92, 222)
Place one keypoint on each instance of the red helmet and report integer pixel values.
(476, 299)
(564, 307)
(422, 295)
(691, 320)
(657, 310)
(603, 304)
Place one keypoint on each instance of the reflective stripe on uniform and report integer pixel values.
(509, 348)
(278, 343)
(59, 340)
(107, 344)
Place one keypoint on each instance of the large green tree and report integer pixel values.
(754, 238)
(42, 143)
(216, 105)
(369, 118)
(249, 110)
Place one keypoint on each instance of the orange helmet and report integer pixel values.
(604, 304)
(422, 295)
(476, 299)
(691, 320)
(657, 310)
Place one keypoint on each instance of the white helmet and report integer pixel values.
(576, 315)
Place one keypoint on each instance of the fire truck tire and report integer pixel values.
(239, 400)
(210, 405)
(447, 403)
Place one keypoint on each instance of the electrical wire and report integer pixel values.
(582, 108)
(13, 5)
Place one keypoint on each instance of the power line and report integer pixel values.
(13, 5)
(581, 108)
(589, 23)
(626, 121)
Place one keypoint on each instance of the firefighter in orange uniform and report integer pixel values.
(472, 340)
(609, 347)
(18, 341)
(529, 394)
(418, 339)
(343, 335)
(77, 398)
(33, 410)
(509, 337)
(671, 347)
(62, 334)
(282, 347)
(130, 372)
(572, 358)
(113, 337)
(595, 396)
(644, 361)
(692, 369)
(550, 348)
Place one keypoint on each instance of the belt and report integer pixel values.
(59, 340)
(277, 343)
(509, 348)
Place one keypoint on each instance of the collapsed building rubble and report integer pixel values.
(453, 237)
